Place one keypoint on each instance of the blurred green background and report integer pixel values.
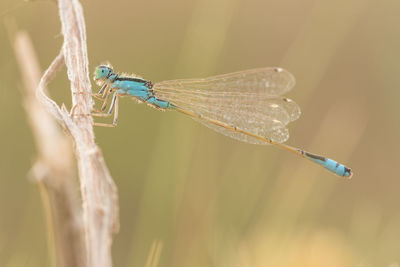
(211, 200)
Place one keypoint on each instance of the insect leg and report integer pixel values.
(102, 93)
(113, 107)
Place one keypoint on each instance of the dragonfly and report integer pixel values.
(246, 105)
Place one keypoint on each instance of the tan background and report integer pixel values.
(211, 200)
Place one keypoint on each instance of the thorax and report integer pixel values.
(130, 84)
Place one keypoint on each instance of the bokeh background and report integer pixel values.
(210, 200)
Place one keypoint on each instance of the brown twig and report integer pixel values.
(54, 170)
(99, 194)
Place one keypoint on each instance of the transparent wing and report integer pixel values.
(248, 100)
(264, 81)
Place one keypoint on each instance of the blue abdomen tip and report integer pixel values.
(337, 168)
(330, 164)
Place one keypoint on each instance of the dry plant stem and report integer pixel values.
(155, 253)
(99, 194)
(54, 170)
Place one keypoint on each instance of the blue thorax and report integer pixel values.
(138, 88)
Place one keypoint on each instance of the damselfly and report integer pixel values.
(246, 105)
